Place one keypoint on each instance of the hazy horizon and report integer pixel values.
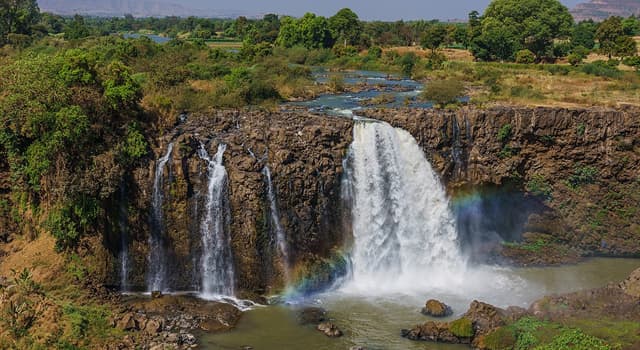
(387, 10)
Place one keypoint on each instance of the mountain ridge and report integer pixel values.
(601, 9)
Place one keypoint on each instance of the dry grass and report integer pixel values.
(451, 54)
(39, 256)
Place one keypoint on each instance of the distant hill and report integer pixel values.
(601, 9)
(144, 8)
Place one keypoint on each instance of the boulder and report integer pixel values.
(154, 326)
(329, 329)
(312, 315)
(156, 294)
(631, 286)
(127, 322)
(435, 308)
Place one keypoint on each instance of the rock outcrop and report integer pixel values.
(305, 154)
(435, 308)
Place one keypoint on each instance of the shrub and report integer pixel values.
(407, 63)
(336, 83)
(582, 175)
(525, 56)
(574, 59)
(375, 52)
(539, 186)
(581, 51)
(601, 69)
(70, 221)
(504, 134)
(435, 60)
(577, 340)
(462, 328)
(443, 92)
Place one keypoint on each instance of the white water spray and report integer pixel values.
(156, 280)
(404, 233)
(217, 261)
(281, 239)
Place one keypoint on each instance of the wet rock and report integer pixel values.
(435, 308)
(436, 332)
(329, 329)
(631, 286)
(188, 339)
(485, 317)
(156, 294)
(312, 315)
(357, 347)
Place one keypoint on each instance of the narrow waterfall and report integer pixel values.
(404, 233)
(124, 240)
(280, 238)
(156, 279)
(217, 261)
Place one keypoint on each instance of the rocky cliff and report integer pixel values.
(563, 183)
(304, 153)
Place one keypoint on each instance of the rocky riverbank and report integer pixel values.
(601, 316)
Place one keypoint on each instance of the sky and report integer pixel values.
(367, 10)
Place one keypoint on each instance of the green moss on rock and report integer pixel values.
(462, 328)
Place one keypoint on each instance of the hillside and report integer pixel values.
(601, 9)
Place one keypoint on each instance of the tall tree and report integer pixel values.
(345, 27)
(612, 39)
(530, 24)
(17, 16)
(434, 37)
(584, 34)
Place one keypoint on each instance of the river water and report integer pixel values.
(375, 321)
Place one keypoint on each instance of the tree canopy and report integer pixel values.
(508, 26)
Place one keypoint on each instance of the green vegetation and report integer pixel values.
(582, 175)
(530, 333)
(462, 327)
(443, 92)
(504, 134)
(539, 186)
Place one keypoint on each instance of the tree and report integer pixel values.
(310, 31)
(510, 25)
(613, 41)
(346, 27)
(17, 17)
(434, 37)
(584, 34)
(77, 29)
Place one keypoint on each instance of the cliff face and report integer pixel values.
(565, 182)
(304, 154)
(580, 169)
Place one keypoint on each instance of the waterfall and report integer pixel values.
(124, 240)
(280, 238)
(404, 233)
(217, 260)
(156, 280)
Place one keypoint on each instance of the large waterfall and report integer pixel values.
(280, 238)
(404, 233)
(157, 275)
(216, 262)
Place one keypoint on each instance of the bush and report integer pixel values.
(601, 69)
(407, 63)
(582, 175)
(462, 328)
(336, 83)
(577, 340)
(443, 92)
(525, 56)
(375, 52)
(539, 186)
(574, 59)
(580, 51)
(504, 134)
(435, 60)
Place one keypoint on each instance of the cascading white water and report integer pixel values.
(404, 233)
(216, 262)
(281, 239)
(156, 279)
(124, 241)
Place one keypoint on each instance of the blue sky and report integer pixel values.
(383, 10)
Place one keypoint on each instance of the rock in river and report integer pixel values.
(435, 308)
